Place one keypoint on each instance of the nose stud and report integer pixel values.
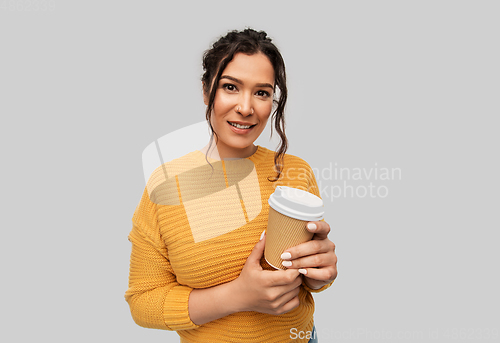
(238, 109)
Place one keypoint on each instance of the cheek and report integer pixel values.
(265, 110)
(222, 105)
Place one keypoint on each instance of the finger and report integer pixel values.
(321, 229)
(257, 252)
(289, 300)
(312, 261)
(290, 305)
(326, 274)
(290, 278)
(313, 247)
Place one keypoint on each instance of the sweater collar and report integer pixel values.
(258, 156)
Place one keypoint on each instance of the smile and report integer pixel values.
(241, 126)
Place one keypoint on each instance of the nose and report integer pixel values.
(244, 106)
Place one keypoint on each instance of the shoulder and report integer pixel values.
(291, 164)
(288, 159)
(295, 161)
(297, 167)
(162, 183)
(175, 167)
(297, 173)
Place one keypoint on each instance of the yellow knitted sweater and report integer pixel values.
(194, 227)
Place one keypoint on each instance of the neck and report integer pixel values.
(218, 154)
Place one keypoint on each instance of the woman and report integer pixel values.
(199, 231)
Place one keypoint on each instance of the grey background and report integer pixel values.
(85, 87)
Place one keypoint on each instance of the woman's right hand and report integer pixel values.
(273, 292)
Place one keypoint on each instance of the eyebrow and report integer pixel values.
(241, 82)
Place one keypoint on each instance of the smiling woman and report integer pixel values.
(255, 47)
(242, 105)
(198, 233)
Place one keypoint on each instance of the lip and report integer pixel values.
(240, 131)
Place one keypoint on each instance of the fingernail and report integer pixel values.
(286, 263)
(262, 235)
(312, 226)
(286, 256)
(303, 271)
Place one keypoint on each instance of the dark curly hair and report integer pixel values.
(249, 42)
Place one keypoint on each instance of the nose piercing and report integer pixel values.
(238, 109)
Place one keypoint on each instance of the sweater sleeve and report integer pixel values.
(155, 297)
(312, 187)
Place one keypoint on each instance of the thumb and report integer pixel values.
(257, 251)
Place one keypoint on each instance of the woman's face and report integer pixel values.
(244, 98)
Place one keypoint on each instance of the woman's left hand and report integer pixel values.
(315, 259)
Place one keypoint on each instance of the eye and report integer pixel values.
(264, 94)
(229, 87)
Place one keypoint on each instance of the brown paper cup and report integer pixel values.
(282, 233)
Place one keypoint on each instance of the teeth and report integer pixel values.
(240, 126)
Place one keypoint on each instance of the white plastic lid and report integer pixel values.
(297, 203)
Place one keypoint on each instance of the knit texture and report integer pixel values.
(194, 227)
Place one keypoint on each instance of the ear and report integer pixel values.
(205, 96)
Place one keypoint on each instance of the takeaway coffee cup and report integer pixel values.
(289, 212)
